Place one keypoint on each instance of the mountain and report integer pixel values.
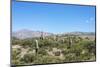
(22, 34)
(80, 33)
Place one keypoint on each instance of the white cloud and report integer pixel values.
(90, 20)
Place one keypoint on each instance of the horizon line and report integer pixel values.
(50, 32)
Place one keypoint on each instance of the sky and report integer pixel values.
(53, 18)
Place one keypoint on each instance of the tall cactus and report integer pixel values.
(69, 41)
(42, 36)
(54, 37)
(37, 46)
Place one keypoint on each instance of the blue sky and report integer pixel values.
(54, 18)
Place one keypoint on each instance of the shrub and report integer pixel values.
(42, 51)
(28, 58)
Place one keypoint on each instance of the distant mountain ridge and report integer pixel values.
(81, 33)
(22, 34)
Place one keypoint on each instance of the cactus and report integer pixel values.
(70, 42)
(63, 40)
(54, 37)
(37, 46)
(42, 36)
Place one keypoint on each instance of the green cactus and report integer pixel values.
(37, 46)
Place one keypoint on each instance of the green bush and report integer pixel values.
(28, 58)
(16, 56)
(42, 51)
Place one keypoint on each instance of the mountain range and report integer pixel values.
(22, 34)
